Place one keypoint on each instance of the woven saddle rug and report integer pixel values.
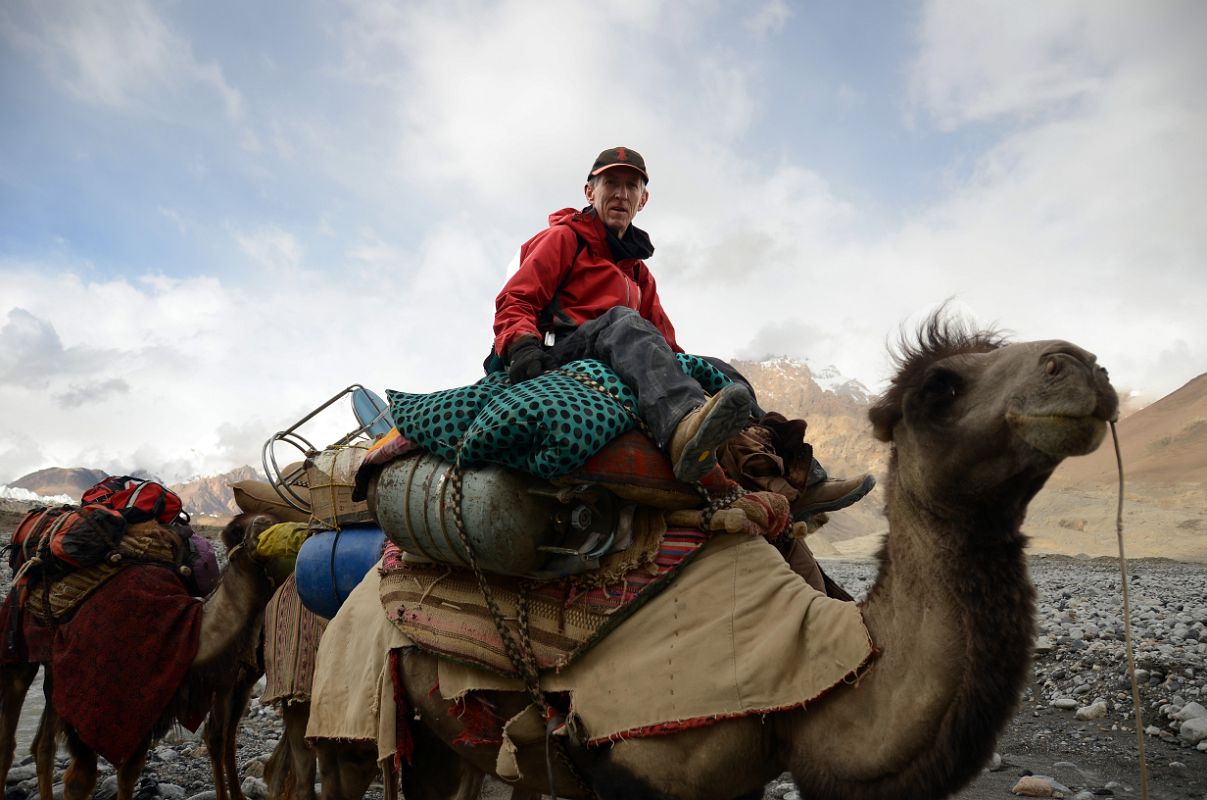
(291, 642)
(442, 609)
(144, 542)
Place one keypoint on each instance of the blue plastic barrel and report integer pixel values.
(331, 564)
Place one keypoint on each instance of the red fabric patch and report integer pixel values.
(404, 745)
(121, 658)
(480, 725)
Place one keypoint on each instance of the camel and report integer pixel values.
(230, 619)
(347, 768)
(976, 426)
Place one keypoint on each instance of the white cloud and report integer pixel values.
(272, 247)
(80, 394)
(1072, 208)
(506, 104)
(983, 60)
(768, 18)
(117, 54)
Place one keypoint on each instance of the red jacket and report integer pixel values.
(586, 282)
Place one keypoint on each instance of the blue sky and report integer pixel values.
(215, 215)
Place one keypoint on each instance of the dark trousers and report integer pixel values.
(638, 353)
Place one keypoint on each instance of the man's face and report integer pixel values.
(617, 195)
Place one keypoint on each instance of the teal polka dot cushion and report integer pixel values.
(547, 426)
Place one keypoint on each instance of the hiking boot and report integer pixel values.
(831, 495)
(693, 446)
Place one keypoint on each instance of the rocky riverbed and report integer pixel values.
(1073, 735)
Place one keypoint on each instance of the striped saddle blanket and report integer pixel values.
(443, 611)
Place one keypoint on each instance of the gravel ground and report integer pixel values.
(1073, 733)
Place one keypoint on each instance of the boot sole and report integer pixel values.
(727, 419)
(848, 499)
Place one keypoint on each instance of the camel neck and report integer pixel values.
(232, 609)
(952, 615)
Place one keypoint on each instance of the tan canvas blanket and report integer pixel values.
(291, 639)
(352, 696)
(737, 633)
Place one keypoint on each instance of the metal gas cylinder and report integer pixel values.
(516, 524)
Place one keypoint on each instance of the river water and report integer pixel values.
(27, 725)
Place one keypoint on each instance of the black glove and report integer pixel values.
(527, 360)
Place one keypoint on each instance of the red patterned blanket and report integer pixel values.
(120, 659)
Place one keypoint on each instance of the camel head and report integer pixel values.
(974, 419)
(245, 529)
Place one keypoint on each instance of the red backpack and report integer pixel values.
(66, 538)
(138, 500)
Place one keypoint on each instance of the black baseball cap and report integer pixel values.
(619, 157)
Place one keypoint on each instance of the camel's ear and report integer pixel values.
(233, 533)
(884, 415)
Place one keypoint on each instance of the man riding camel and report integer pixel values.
(583, 290)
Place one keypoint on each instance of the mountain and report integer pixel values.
(211, 496)
(835, 410)
(208, 496)
(58, 480)
(1164, 453)
(1165, 442)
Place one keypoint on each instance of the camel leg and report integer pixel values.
(290, 771)
(347, 769)
(80, 778)
(437, 772)
(45, 745)
(278, 775)
(389, 779)
(221, 732)
(302, 761)
(129, 773)
(15, 680)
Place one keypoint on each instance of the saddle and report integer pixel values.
(443, 610)
(53, 600)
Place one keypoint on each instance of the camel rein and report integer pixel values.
(1127, 623)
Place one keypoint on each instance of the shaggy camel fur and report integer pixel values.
(230, 619)
(977, 426)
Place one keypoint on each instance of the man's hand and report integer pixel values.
(527, 359)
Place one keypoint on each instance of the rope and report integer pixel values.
(1127, 624)
(520, 654)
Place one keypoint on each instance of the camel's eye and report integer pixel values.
(938, 393)
(941, 385)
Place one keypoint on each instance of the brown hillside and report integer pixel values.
(1164, 443)
(54, 481)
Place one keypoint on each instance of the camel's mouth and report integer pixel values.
(1059, 435)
